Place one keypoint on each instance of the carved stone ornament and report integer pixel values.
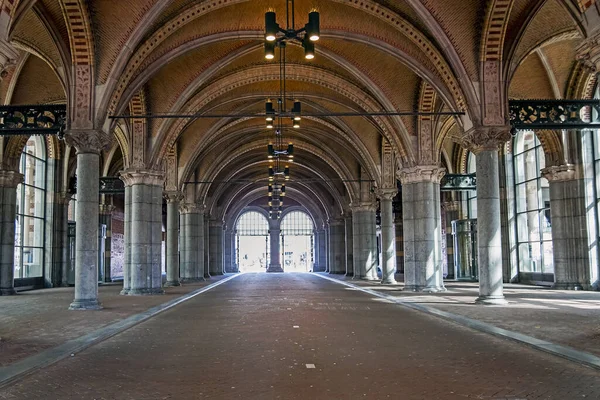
(588, 53)
(363, 207)
(173, 197)
(62, 198)
(488, 138)
(422, 173)
(386, 193)
(88, 140)
(10, 179)
(562, 173)
(191, 208)
(143, 177)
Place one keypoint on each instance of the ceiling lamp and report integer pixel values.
(272, 27)
(313, 29)
(309, 49)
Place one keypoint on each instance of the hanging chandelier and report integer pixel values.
(278, 152)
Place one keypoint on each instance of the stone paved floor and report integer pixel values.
(39, 319)
(258, 335)
(570, 318)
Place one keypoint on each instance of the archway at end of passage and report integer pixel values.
(297, 239)
(252, 242)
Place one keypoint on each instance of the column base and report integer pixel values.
(350, 274)
(145, 292)
(337, 272)
(85, 305)
(124, 292)
(389, 281)
(8, 292)
(569, 286)
(275, 268)
(491, 300)
(425, 289)
(368, 278)
(172, 283)
(216, 273)
(191, 280)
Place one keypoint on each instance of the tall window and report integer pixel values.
(534, 228)
(297, 242)
(31, 211)
(471, 194)
(252, 242)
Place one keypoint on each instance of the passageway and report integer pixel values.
(258, 336)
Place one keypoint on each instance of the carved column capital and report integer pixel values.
(88, 140)
(142, 177)
(422, 173)
(10, 179)
(191, 208)
(588, 53)
(363, 207)
(173, 197)
(486, 138)
(386, 193)
(562, 173)
(62, 198)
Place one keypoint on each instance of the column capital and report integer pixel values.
(335, 221)
(486, 138)
(142, 177)
(363, 207)
(62, 198)
(191, 208)
(588, 53)
(10, 179)
(562, 173)
(387, 193)
(422, 173)
(88, 140)
(106, 209)
(173, 197)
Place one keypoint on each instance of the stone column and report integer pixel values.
(106, 211)
(337, 249)
(89, 144)
(205, 241)
(422, 228)
(349, 247)
(61, 244)
(364, 241)
(146, 231)
(127, 240)
(9, 180)
(228, 243)
(172, 245)
(388, 236)
(190, 232)
(569, 227)
(327, 248)
(216, 248)
(274, 239)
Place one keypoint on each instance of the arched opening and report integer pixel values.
(297, 238)
(252, 242)
(30, 232)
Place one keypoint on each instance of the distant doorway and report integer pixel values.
(297, 239)
(252, 242)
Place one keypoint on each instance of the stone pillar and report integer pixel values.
(451, 213)
(146, 231)
(364, 241)
(322, 246)
(327, 248)
(349, 247)
(106, 211)
(88, 144)
(60, 263)
(422, 228)
(569, 227)
(127, 240)
(8, 214)
(172, 245)
(190, 232)
(274, 239)
(337, 249)
(216, 248)
(228, 252)
(205, 241)
(388, 236)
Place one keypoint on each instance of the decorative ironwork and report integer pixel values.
(554, 114)
(456, 182)
(108, 185)
(40, 119)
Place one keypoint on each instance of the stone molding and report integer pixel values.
(563, 173)
(386, 193)
(88, 140)
(588, 53)
(142, 177)
(191, 208)
(10, 179)
(173, 197)
(422, 173)
(485, 138)
(363, 207)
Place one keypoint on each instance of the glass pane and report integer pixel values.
(521, 198)
(531, 167)
(519, 162)
(597, 144)
(525, 262)
(541, 158)
(31, 263)
(548, 257)
(536, 256)
(252, 223)
(532, 196)
(297, 223)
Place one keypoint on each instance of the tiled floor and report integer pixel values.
(258, 336)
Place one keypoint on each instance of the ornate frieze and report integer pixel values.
(561, 173)
(32, 120)
(422, 173)
(456, 182)
(554, 114)
(10, 179)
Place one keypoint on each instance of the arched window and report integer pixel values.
(31, 211)
(252, 223)
(297, 233)
(532, 198)
(297, 223)
(252, 242)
